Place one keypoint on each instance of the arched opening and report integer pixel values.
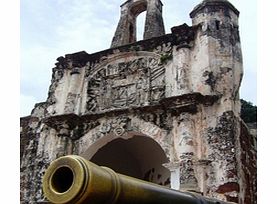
(138, 7)
(144, 25)
(138, 13)
(139, 156)
(140, 25)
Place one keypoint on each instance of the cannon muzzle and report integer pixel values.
(74, 180)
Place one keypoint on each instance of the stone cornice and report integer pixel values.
(212, 5)
(175, 105)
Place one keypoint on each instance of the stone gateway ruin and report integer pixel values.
(165, 109)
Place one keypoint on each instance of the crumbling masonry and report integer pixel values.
(164, 109)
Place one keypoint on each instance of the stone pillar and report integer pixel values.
(174, 168)
(185, 146)
(154, 25)
(126, 28)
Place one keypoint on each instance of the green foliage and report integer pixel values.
(165, 58)
(248, 112)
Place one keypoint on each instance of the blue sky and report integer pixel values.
(53, 28)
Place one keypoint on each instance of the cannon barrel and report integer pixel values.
(74, 180)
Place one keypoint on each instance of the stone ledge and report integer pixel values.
(175, 105)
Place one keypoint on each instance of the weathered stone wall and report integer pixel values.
(177, 92)
(248, 165)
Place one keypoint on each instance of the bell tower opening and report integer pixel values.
(126, 31)
(140, 157)
(140, 25)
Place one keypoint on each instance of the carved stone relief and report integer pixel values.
(117, 126)
(164, 49)
(132, 82)
(92, 93)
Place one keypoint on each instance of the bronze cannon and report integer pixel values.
(74, 180)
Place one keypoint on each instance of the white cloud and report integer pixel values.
(86, 26)
(27, 103)
(35, 73)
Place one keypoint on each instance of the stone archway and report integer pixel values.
(137, 156)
